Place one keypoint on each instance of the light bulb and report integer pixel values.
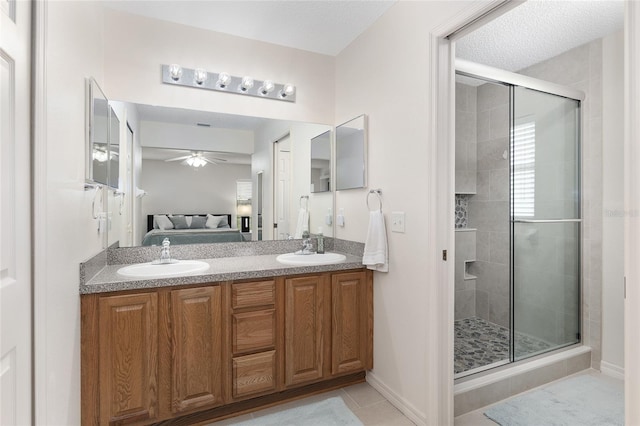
(200, 76)
(224, 79)
(287, 90)
(247, 83)
(266, 88)
(175, 72)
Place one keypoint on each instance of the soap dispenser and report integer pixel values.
(320, 249)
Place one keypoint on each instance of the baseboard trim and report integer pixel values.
(612, 370)
(396, 400)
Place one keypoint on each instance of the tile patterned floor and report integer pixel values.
(479, 343)
(367, 403)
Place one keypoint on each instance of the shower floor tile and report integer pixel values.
(479, 343)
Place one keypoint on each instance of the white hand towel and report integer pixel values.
(303, 223)
(376, 256)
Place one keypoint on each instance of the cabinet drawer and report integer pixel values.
(254, 331)
(253, 374)
(253, 294)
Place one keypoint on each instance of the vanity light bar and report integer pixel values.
(223, 82)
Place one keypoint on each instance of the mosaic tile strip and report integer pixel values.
(462, 206)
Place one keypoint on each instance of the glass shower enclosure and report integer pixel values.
(518, 223)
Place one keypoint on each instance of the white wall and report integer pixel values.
(613, 204)
(137, 47)
(73, 50)
(171, 135)
(399, 147)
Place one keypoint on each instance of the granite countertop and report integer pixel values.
(221, 269)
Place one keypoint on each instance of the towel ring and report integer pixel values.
(303, 197)
(378, 192)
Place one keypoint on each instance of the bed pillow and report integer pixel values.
(223, 222)
(198, 222)
(162, 222)
(213, 221)
(179, 222)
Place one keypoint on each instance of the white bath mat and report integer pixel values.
(330, 412)
(578, 401)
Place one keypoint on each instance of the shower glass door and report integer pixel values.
(545, 221)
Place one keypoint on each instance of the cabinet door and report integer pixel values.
(304, 331)
(351, 322)
(196, 317)
(128, 358)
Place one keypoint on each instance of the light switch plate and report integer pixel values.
(397, 222)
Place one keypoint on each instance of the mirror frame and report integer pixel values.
(320, 138)
(113, 170)
(363, 141)
(93, 92)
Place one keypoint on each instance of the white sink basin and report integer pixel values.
(163, 270)
(310, 259)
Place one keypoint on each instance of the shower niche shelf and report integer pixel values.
(467, 275)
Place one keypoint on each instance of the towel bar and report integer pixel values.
(378, 192)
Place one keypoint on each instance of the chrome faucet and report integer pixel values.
(165, 254)
(307, 247)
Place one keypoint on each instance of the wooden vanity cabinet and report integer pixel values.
(307, 316)
(254, 366)
(351, 322)
(120, 359)
(195, 353)
(196, 364)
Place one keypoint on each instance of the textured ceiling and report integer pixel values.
(324, 27)
(538, 30)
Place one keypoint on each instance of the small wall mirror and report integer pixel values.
(321, 162)
(97, 152)
(351, 154)
(114, 150)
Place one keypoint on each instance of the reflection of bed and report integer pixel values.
(222, 234)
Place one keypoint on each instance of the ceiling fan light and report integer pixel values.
(175, 72)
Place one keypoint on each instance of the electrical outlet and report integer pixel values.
(397, 222)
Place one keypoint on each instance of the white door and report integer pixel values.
(281, 196)
(15, 214)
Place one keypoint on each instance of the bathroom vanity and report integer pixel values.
(243, 336)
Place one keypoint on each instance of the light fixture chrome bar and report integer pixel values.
(546, 220)
(187, 77)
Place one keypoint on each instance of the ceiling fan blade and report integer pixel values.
(184, 157)
(209, 161)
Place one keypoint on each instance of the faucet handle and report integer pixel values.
(166, 242)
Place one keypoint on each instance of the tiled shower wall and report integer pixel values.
(489, 208)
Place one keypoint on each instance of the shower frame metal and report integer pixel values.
(512, 80)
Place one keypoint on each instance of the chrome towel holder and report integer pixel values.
(378, 192)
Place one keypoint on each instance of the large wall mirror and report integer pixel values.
(186, 172)
(321, 163)
(351, 154)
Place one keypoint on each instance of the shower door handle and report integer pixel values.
(546, 220)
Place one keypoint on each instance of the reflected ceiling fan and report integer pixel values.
(196, 159)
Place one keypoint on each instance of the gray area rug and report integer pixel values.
(580, 401)
(330, 412)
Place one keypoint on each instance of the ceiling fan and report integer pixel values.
(196, 159)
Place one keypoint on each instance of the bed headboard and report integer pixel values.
(150, 217)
